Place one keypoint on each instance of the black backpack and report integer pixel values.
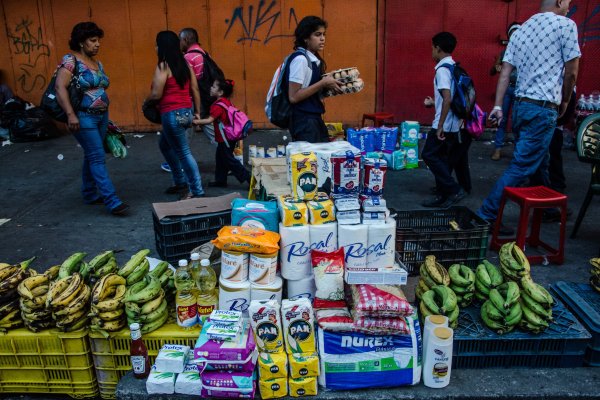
(463, 100)
(210, 73)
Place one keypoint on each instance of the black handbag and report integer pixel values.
(49, 102)
(150, 111)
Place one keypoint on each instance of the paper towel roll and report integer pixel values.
(294, 252)
(301, 288)
(267, 292)
(234, 296)
(324, 237)
(381, 244)
(354, 239)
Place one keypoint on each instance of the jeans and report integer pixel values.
(308, 127)
(92, 129)
(458, 160)
(535, 125)
(436, 156)
(175, 148)
(226, 162)
(556, 173)
(507, 102)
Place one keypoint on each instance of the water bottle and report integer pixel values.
(581, 103)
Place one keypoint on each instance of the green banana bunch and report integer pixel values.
(513, 262)
(71, 265)
(421, 288)
(462, 282)
(440, 300)
(487, 277)
(433, 273)
(133, 262)
(139, 273)
(531, 321)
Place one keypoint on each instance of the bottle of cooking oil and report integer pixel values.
(207, 298)
(195, 269)
(185, 300)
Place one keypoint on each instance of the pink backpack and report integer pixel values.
(475, 124)
(239, 124)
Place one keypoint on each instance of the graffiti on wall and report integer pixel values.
(27, 43)
(590, 30)
(258, 23)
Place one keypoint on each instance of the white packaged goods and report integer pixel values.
(160, 382)
(329, 278)
(267, 292)
(234, 296)
(374, 218)
(234, 266)
(381, 244)
(354, 238)
(351, 217)
(323, 237)
(394, 275)
(172, 358)
(294, 254)
(347, 203)
(272, 366)
(298, 326)
(226, 317)
(355, 360)
(263, 268)
(335, 320)
(253, 213)
(265, 321)
(292, 212)
(303, 288)
(374, 204)
(189, 382)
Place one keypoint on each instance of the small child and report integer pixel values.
(224, 157)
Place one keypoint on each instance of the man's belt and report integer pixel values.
(542, 103)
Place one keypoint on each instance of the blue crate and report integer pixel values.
(562, 345)
(584, 302)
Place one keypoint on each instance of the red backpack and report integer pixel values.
(239, 124)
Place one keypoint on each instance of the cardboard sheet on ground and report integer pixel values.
(194, 206)
(271, 174)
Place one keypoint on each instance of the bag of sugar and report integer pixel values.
(266, 325)
(298, 326)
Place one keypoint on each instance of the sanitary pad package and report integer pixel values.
(238, 354)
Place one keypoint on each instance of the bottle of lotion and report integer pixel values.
(432, 322)
(437, 364)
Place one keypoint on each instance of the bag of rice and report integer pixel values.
(335, 320)
(379, 301)
(381, 326)
(329, 278)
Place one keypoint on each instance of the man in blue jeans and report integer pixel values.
(546, 53)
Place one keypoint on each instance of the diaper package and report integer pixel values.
(253, 213)
(272, 365)
(298, 326)
(304, 365)
(228, 384)
(266, 325)
(410, 133)
(239, 354)
(363, 139)
(412, 157)
(386, 138)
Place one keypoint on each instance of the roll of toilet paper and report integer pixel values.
(324, 237)
(267, 292)
(354, 239)
(234, 296)
(301, 288)
(294, 252)
(381, 244)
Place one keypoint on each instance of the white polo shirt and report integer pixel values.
(300, 71)
(443, 80)
(539, 51)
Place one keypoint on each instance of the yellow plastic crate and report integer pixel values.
(111, 355)
(47, 362)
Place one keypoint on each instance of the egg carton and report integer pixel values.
(347, 88)
(345, 75)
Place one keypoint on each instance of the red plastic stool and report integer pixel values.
(537, 199)
(378, 118)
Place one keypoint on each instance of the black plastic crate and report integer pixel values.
(176, 236)
(420, 233)
(562, 345)
(584, 302)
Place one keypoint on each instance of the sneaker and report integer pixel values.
(436, 202)
(121, 209)
(217, 184)
(452, 200)
(165, 167)
(176, 189)
(496, 155)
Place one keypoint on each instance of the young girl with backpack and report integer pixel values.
(222, 89)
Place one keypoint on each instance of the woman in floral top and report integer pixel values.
(89, 121)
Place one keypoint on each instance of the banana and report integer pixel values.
(28, 284)
(425, 312)
(56, 288)
(527, 326)
(480, 297)
(110, 315)
(139, 272)
(521, 258)
(109, 326)
(131, 314)
(456, 278)
(35, 316)
(154, 304)
(18, 274)
(160, 269)
(70, 265)
(534, 291)
(164, 278)
(436, 271)
(461, 290)
(101, 288)
(494, 273)
(52, 272)
(36, 303)
(85, 271)
(14, 314)
(509, 274)
(429, 282)
(109, 268)
(532, 317)
(428, 299)
(483, 277)
(514, 316)
(36, 326)
(28, 310)
(493, 312)
(11, 324)
(101, 259)
(133, 262)
(40, 291)
(9, 307)
(156, 314)
(147, 293)
(481, 288)
(7, 270)
(80, 324)
(111, 304)
(70, 292)
(419, 292)
(154, 325)
(545, 293)
(510, 292)
(488, 321)
(423, 285)
(498, 301)
(536, 307)
(78, 303)
(447, 298)
(453, 317)
(70, 319)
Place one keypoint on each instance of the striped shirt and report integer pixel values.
(195, 59)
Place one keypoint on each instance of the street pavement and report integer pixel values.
(42, 215)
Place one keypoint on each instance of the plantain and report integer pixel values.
(102, 289)
(457, 277)
(160, 269)
(133, 262)
(113, 303)
(535, 292)
(7, 270)
(436, 271)
(101, 259)
(494, 325)
(532, 317)
(425, 277)
(149, 292)
(75, 285)
(428, 299)
(109, 268)
(76, 325)
(70, 319)
(9, 307)
(70, 265)
(154, 325)
(447, 298)
(40, 291)
(153, 304)
(482, 289)
(498, 301)
(110, 315)
(52, 272)
(139, 272)
(494, 273)
(80, 302)
(18, 274)
(28, 284)
(166, 277)
(109, 326)
(514, 316)
(156, 314)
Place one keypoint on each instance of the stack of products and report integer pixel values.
(350, 81)
(380, 142)
(171, 360)
(255, 151)
(410, 143)
(226, 366)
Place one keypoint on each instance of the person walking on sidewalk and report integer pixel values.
(174, 84)
(445, 137)
(546, 53)
(306, 82)
(224, 157)
(509, 97)
(89, 122)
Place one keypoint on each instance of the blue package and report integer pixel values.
(363, 139)
(410, 133)
(258, 214)
(386, 138)
(398, 160)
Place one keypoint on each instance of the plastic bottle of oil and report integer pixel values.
(187, 309)
(208, 297)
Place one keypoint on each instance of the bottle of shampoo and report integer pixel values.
(437, 364)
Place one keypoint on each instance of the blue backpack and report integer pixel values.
(463, 101)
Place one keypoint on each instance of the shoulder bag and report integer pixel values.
(49, 102)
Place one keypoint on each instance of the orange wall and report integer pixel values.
(247, 38)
